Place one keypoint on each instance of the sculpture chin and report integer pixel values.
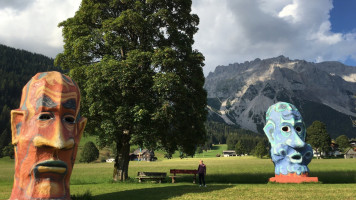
(48, 189)
(49, 180)
(291, 168)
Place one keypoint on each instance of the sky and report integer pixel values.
(230, 31)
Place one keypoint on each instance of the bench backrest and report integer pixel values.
(160, 174)
(183, 171)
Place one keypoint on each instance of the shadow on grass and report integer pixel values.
(328, 177)
(158, 193)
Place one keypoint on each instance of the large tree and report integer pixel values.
(142, 83)
(318, 137)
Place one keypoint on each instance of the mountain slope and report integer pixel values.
(241, 93)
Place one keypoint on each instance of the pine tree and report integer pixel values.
(240, 148)
(260, 150)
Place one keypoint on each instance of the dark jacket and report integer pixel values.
(202, 169)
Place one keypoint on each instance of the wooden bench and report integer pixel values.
(158, 176)
(183, 171)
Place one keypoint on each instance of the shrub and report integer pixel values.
(89, 153)
(8, 151)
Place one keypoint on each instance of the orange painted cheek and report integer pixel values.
(48, 131)
(68, 131)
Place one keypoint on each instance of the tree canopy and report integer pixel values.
(318, 137)
(343, 142)
(141, 81)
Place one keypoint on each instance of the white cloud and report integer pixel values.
(230, 30)
(34, 27)
(238, 30)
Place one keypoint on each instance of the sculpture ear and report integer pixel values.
(269, 130)
(17, 118)
(81, 125)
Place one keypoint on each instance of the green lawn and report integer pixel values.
(227, 178)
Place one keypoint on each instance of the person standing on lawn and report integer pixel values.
(201, 173)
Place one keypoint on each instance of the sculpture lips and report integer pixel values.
(51, 166)
(296, 158)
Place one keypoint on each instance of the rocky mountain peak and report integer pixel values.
(241, 93)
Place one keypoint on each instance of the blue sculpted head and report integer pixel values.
(286, 132)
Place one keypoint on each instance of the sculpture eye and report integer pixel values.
(286, 128)
(69, 119)
(298, 129)
(45, 116)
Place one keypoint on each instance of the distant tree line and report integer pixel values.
(241, 140)
(16, 69)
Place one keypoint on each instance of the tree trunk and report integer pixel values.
(122, 159)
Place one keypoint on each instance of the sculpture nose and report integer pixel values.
(295, 141)
(57, 141)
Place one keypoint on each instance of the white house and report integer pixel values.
(229, 153)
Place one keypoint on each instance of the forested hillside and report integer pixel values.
(221, 133)
(16, 69)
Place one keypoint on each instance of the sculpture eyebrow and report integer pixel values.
(45, 101)
(70, 104)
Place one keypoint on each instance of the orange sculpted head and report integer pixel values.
(46, 130)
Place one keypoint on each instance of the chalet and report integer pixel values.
(334, 150)
(229, 153)
(351, 153)
(353, 143)
(143, 155)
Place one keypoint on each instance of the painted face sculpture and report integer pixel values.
(286, 132)
(46, 130)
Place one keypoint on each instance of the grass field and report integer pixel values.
(227, 178)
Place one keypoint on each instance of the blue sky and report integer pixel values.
(343, 20)
(230, 31)
(343, 16)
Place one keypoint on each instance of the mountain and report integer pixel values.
(240, 94)
(16, 69)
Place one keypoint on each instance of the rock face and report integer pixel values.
(241, 93)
